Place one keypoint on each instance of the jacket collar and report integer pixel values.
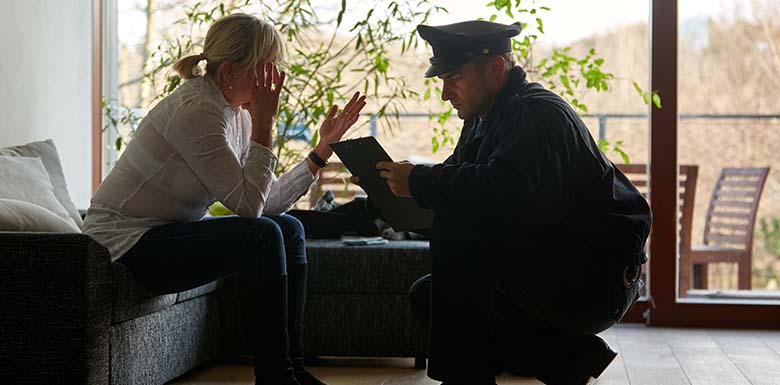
(517, 79)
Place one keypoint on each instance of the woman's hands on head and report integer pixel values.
(264, 101)
(264, 104)
(336, 125)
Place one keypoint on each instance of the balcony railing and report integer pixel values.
(603, 118)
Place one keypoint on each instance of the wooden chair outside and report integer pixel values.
(334, 177)
(637, 174)
(728, 231)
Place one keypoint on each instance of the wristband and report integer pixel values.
(317, 160)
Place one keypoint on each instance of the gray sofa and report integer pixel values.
(68, 315)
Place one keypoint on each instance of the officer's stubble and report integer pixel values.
(472, 87)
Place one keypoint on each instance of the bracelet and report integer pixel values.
(317, 160)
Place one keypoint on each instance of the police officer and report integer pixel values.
(538, 239)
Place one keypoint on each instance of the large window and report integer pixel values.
(716, 66)
(729, 87)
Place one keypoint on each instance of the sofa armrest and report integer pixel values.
(55, 309)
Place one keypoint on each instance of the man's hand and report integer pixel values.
(397, 175)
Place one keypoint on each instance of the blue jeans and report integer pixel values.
(268, 254)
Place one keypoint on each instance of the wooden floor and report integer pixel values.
(648, 356)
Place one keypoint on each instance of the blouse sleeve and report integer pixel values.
(290, 187)
(199, 135)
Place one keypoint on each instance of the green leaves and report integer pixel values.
(605, 147)
(571, 76)
(341, 12)
(648, 97)
(523, 47)
(218, 209)
(123, 120)
(539, 24)
(769, 230)
(656, 100)
(381, 63)
(441, 135)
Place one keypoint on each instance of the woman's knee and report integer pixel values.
(294, 237)
(420, 299)
(264, 249)
(290, 225)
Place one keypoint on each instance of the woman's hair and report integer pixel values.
(240, 38)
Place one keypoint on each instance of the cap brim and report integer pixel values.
(442, 68)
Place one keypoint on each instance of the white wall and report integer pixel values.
(45, 82)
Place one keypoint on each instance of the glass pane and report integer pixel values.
(730, 131)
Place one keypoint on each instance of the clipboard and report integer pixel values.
(360, 156)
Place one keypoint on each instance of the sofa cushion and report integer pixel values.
(25, 179)
(158, 347)
(376, 269)
(199, 291)
(130, 299)
(47, 152)
(17, 215)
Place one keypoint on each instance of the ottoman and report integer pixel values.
(357, 304)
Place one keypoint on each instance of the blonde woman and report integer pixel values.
(211, 140)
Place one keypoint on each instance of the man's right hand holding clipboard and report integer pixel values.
(385, 182)
(397, 176)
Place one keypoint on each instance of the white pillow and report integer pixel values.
(18, 215)
(25, 179)
(51, 162)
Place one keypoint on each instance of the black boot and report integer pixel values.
(296, 303)
(305, 377)
(518, 351)
(586, 357)
(264, 310)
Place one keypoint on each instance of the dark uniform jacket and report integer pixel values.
(533, 166)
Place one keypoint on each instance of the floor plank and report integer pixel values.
(702, 360)
(757, 361)
(616, 372)
(220, 374)
(337, 372)
(771, 339)
(647, 356)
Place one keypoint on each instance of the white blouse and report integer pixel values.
(189, 151)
